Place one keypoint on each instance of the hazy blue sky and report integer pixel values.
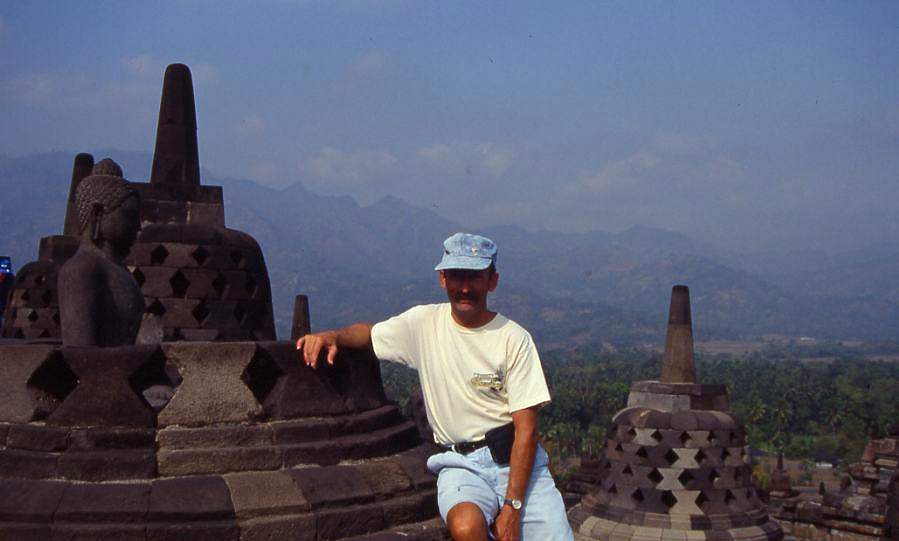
(751, 124)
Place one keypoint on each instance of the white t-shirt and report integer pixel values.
(472, 379)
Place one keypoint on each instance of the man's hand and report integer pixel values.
(312, 345)
(507, 526)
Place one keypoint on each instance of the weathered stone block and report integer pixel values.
(37, 437)
(17, 364)
(89, 439)
(293, 527)
(93, 532)
(190, 499)
(332, 485)
(219, 460)
(107, 465)
(27, 464)
(336, 523)
(103, 395)
(175, 437)
(255, 494)
(199, 531)
(29, 501)
(104, 502)
(302, 430)
(212, 390)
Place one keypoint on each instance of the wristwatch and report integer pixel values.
(515, 504)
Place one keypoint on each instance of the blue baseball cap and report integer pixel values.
(467, 251)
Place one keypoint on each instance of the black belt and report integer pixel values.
(467, 446)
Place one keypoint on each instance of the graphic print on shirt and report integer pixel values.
(489, 384)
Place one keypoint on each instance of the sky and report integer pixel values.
(752, 125)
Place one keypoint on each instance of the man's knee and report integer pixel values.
(466, 522)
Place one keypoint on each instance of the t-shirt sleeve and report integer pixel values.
(394, 339)
(525, 381)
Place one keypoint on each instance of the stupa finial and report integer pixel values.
(176, 161)
(678, 365)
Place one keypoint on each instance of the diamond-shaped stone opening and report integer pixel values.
(700, 456)
(627, 470)
(671, 457)
(685, 437)
(26, 295)
(32, 316)
(158, 255)
(261, 375)
(179, 284)
(200, 255)
(655, 476)
(50, 384)
(220, 284)
(685, 477)
(641, 452)
(729, 496)
(618, 446)
(632, 432)
(714, 475)
(200, 312)
(45, 334)
(733, 436)
(156, 381)
(156, 308)
(725, 453)
(250, 285)
(668, 498)
(637, 495)
(656, 435)
(46, 296)
(139, 277)
(40, 279)
(237, 258)
(55, 317)
(19, 334)
(240, 312)
(613, 489)
(701, 499)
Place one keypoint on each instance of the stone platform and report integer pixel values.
(205, 440)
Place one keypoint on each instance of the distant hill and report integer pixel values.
(365, 263)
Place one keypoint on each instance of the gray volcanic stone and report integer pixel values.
(293, 527)
(195, 531)
(27, 464)
(37, 437)
(107, 465)
(95, 532)
(256, 494)
(104, 502)
(212, 390)
(103, 395)
(218, 460)
(332, 485)
(17, 364)
(190, 499)
(29, 501)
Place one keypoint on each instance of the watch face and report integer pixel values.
(515, 504)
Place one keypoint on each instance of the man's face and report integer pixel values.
(467, 290)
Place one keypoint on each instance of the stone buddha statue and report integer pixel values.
(100, 303)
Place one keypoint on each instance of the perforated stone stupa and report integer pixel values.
(230, 439)
(675, 464)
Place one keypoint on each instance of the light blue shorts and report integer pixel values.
(476, 478)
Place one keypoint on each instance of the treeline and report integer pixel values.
(809, 409)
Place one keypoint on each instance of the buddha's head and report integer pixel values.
(108, 209)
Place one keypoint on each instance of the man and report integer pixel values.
(483, 386)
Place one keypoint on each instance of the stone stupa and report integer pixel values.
(675, 464)
(214, 430)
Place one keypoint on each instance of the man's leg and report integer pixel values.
(466, 522)
(466, 501)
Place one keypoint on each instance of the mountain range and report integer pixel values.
(368, 262)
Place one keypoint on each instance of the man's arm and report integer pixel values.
(357, 336)
(524, 448)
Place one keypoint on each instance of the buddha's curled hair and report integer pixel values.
(104, 187)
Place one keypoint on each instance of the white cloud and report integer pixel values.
(435, 152)
(143, 65)
(334, 166)
(495, 158)
(251, 125)
(48, 88)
